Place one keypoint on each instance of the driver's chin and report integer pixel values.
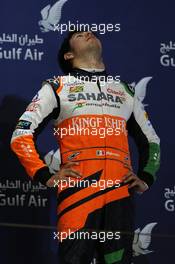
(93, 45)
(89, 47)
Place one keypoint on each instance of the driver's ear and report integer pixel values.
(68, 55)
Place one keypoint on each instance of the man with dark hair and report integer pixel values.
(95, 181)
(66, 63)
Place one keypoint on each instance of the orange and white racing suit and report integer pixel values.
(91, 125)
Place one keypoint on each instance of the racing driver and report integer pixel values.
(92, 118)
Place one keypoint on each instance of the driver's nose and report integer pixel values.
(88, 34)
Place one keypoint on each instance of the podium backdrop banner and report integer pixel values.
(139, 47)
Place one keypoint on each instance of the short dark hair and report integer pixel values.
(65, 65)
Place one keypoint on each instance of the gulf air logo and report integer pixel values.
(142, 240)
(51, 15)
(141, 88)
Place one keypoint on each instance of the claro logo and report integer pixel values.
(119, 93)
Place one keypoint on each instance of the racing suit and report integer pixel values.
(91, 124)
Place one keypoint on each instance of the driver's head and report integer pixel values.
(78, 45)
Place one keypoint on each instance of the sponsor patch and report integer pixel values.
(32, 107)
(79, 104)
(36, 98)
(55, 82)
(23, 124)
(21, 133)
(100, 153)
(76, 89)
(74, 155)
(95, 97)
(119, 93)
(77, 83)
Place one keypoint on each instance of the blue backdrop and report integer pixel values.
(143, 47)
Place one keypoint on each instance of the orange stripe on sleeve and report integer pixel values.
(24, 148)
